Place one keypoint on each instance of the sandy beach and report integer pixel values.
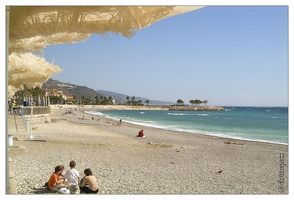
(164, 162)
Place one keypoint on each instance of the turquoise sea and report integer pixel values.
(265, 124)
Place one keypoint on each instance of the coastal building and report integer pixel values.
(68, 98)
(55, 92)
(51, 92)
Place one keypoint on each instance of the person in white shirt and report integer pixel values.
(72, 177)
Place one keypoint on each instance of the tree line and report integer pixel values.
(193, 102)
(132, 101)
(36, 92)
(102, 100)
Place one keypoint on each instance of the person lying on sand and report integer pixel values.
(83, 117)
(233, 143)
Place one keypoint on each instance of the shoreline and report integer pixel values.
(149, 107)
(88, 109)
(114, 123)
(164, 162)
(187, 132)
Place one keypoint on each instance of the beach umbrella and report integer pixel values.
(32, 28)
(29, 29)
(28, 69)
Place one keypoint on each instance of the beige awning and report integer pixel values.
(32, 28)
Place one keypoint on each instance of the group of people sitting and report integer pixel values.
(68, 112)
(71, 180)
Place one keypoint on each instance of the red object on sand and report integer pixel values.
(141, 134)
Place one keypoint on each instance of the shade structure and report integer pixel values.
(28, 69)
(32, 28)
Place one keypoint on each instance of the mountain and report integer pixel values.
(89, 93)
(122, 98)
(69, 88)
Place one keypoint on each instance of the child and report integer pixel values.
(61, 173)
(72, 178)
(60, 176)
(54, 183)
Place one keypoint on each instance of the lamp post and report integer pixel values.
(31, 137)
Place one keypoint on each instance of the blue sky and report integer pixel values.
(228, 55)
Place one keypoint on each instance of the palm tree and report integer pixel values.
(60, 99)
(133, 100)
(105, 100)
(147, 102)
(128, 99)
(110, 100)
(36, 91)
(83, 99)
(96, 100)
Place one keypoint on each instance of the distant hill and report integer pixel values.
(122, 98)
(80, 91)
(69, 88)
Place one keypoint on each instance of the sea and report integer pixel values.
(264, 124)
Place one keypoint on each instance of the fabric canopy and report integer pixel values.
(32, 28)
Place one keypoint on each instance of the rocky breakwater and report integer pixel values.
(197, 108)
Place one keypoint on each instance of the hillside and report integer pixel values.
(122, 98)
(80, 91)
(69, 88)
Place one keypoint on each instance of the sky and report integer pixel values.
(228, 55)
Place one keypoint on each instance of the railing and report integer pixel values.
(37, 110)
(15, 122)
(25, 111)
(25, 121)
(18, 111)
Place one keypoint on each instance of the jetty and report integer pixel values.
(197, 108)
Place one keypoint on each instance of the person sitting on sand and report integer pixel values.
(60, 176)
(83, 117)
(72, 177)
(54, 182)
(141, 134)
(88, 183)
(61, 173)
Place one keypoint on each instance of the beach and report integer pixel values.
(163, 162)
